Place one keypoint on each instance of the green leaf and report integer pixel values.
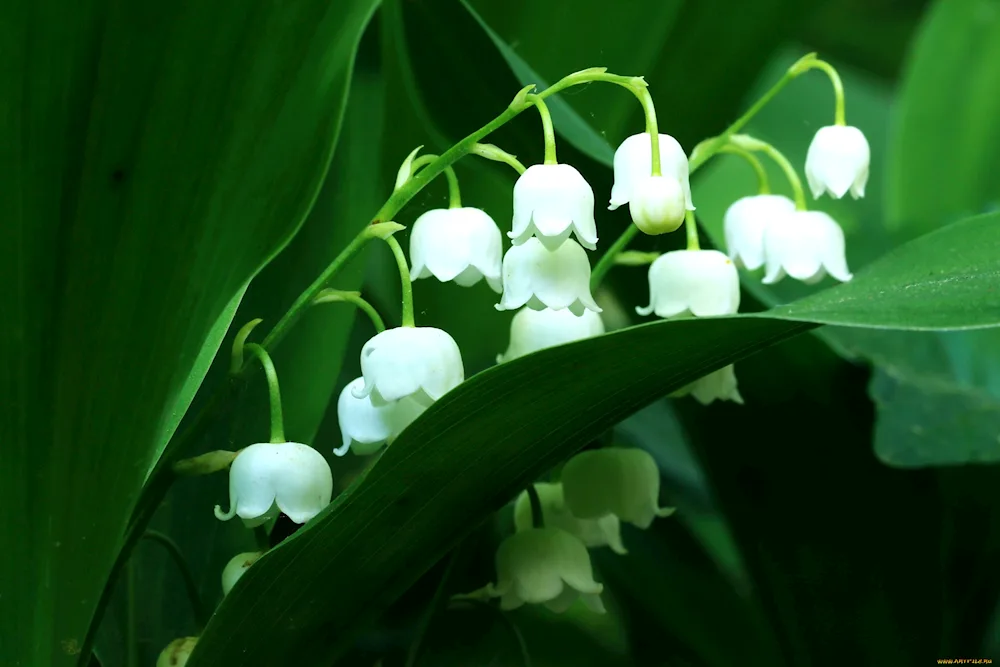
(155, 156)
(944, 162)
(431, 487)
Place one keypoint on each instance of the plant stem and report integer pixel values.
(338, 296)
(454, 194)
(691, 226)
(497, 154)
(786, 166)
(839, 115)
(432, 609)
(404, 281)
(537, 518)
(190, 584)
(763, 183)
(132, 622)
(273, 392)
(607, 260)
(547, 129)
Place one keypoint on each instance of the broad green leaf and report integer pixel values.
(943, 160)
(155, 156)
(431, 486)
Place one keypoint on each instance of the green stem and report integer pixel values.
(404, 281)
(273, 392)
(339, 296)
(506, 620)
(651, 127)
(132, 622)
(432, 609)
(839, 115)
(291, 316)
(763, 183)
(691, 226)
(790, 173)
(454, 194)
(547, 129)
(607, 260)
(537, 518)
(497, 154)
(190, 583)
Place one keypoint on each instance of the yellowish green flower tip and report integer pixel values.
(384, 230)
(406, 169)
(177, 652)
(521, 99)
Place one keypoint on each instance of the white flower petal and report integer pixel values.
(551, 201)
(289, 475)
(719, 385)
(744, 225)
(634, 160)
(236, 567)
(533, 330)
(805, 245)
(838, 161)
(703, 283)
(542, 278)
(603, 531)
(421, 362)
(462, 245)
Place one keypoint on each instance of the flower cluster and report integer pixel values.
(546, 277)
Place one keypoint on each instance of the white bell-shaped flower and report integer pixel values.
(456, 244)
(633, 163)
(541, 278)
(533, 330)
(744, 226)
(365, 427)
(838, 161)
(619, 481)
(604, 531)
(270, 477)
(719, 385)
(421, 362)
(551, 201)
(545, 566)
(805, 245)
(236, 567)
(696, 282)
(657, 204)
(177, 652)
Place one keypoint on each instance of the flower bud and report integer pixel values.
(235, 568)
(657, 204)
(744, 224)
(533, 330)
(719, 385)
(365, 427)
(805, 245)
(633, 162)
(177, 652)
(421, 362)
(456, 244)
(542, 278)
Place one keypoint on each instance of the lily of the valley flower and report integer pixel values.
(551, 201)
(697, 282)
(805, 245)
(235, 568)
(744, 225)
(545, 566)
(623, 482)
(421, 362)
(657, 204)
(633, 163)
(177, 652)
(533, 330)
(456, 244)
(838, 161)
(720, 385)
(267, 478)
(606, 530)
(365, 427)
(542, 278)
